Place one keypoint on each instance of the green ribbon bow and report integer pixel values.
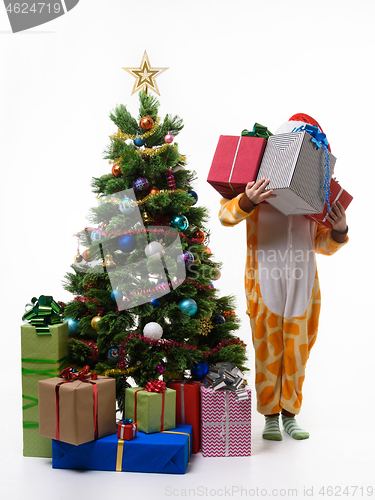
(45, 312)
(258, 131)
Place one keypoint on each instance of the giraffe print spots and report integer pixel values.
(273, 320)
(260, 377)
(298, 402)
(312, 342)
(288, 389)
(252, 241)
(291, 328)
(276, 409)
(276, 340)
(262, 351)
(300, 382)
(266, 396)
(254, 308)
(313, 321)
(289, 357)
(304, 351)
(275, 367)
(260, 328)
(277, 374)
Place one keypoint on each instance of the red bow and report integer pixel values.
(82, 375)
(156, 386)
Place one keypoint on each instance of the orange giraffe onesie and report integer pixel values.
(283, 297)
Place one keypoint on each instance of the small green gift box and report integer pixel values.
(152, 411)
(43, 357)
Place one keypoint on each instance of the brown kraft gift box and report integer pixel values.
(76, 409)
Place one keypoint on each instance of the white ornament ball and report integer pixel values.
(154, 250)
(153, 331)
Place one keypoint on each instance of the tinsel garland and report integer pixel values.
(172, 343)
(117, 371)
(198, 286)
(124, 137)
(79, 298)
(154, 151)
(133, 203)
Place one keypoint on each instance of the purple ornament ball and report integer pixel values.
(140, 184)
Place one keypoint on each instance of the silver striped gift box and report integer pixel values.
(296, 169)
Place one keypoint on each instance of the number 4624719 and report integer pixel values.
(35, 8)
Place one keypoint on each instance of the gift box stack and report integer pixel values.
(74, 411)
(70, 415)
(147, 440)
(298, 164)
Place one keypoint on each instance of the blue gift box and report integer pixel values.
(165, 452)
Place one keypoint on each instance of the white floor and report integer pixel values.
(337, 455)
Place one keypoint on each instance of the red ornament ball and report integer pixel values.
(199, 236)
(154, 191)
(146, 123)
(116, 170)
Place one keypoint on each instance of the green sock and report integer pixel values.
(293, 429)
(271, 430)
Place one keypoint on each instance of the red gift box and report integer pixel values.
(126, 431)
(337, 194)
(236, 162)
(188, 408)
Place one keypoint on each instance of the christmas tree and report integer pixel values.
(145, 305)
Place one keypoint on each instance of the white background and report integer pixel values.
(230, 64)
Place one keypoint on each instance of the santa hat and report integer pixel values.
(296, 121)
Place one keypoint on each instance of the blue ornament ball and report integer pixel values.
(127, 243)
(180, 222)
(73, 326)
(140, 184)
(113, 353)
(194, 197)
(125, 206)
(95, 236)
(116, 295)
(138, 141)
(189, 306)
(220, 319)
(155, 303)
(200, 370)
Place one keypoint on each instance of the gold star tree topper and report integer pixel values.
(145, 76)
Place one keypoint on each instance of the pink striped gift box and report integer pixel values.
(225, 423)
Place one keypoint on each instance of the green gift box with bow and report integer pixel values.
(44, 353)
(151, 411)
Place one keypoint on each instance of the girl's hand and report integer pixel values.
(337, 217)
(255, 191)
